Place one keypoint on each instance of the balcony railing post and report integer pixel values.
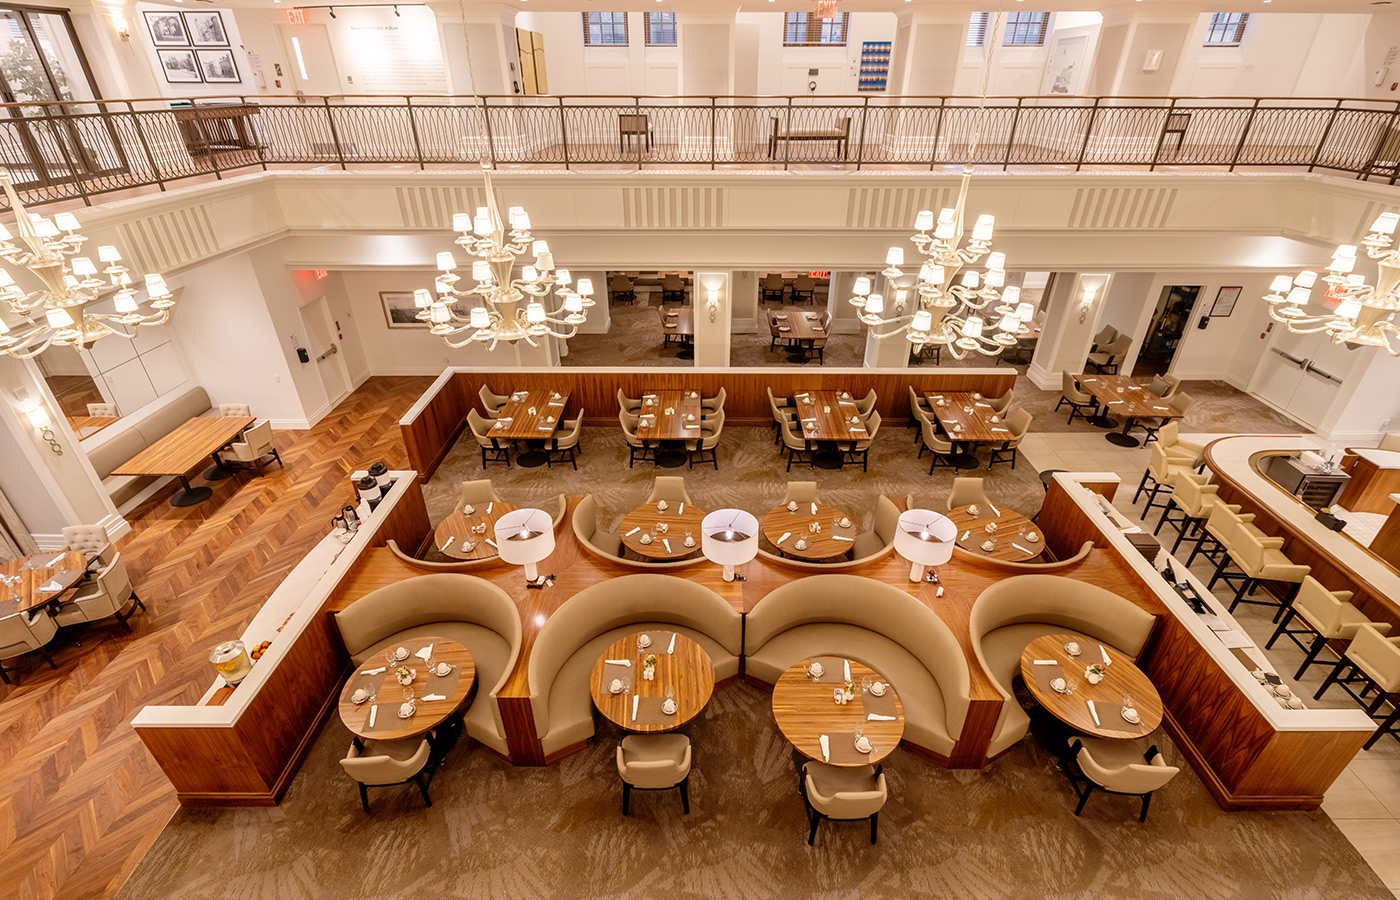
(250, 134)
(146, 146)
(1244, 135)
(490, 138)
(860, 148)
(1088, 132)
(1326, 133)
(1011, 138)
(1162, 136)
(335, 136)
(787, 136)
(564, 133)
(204, 138)
(637, 123)
(413, 126)
(937, 133)
(713, 112)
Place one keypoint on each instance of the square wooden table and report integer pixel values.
(679, 325)
(529, 427)
(804, 327)
(832, 413)
(1130, 399)
(973, 415)
(669, 428)
(184, 449)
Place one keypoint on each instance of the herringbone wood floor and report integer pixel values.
(80, 799)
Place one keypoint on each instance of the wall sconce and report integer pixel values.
(1086, 301)
(712, 302)
(38, 418)
(123, 29)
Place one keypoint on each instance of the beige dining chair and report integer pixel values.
(1116, 767)
(941, 448)
(670, 488)
(917, 404)
(108, 595)
(861, 448)
(1193, 498)
(1186, 453)
(1182, 401)
(91, 541)
(711, 405)
(999, 404)
(23, 632)
(105, 410)
(566, 442)
(491, 450)
(383, 763)
(1109, 358)
(654, 762)
(967, 491)
(636, 447)
(256, 446)
(492, 402)
(705, 448)
(1106, 334)
(867, 403)
(773, 287)
(621, 289)
(842, 794)
(627, 403)
(1324, 616)
(477, 493)
(1371, 660)
(1019, 425)
(1079, 400)
(794, 444)
(804, 289)
(801, 492)
(781, 410)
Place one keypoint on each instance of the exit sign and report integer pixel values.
(296, 16)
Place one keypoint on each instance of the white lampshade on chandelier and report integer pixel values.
(729, 538)
(1365, 315)
(925, 538)
(525, 537)
(503, 308)
(57, 313)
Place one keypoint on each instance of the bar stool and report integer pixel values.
(1220, 522)
(1193, 498)
(1194, 454)
(1160, 470)
(1373, 660)
(1261, 559)
(1326, 615)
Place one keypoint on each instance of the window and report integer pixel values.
(977, 29)
(661, 29)
(1025, 29)
(1226, 29)
(806, 30)
(605, 29)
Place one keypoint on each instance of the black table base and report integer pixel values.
(533, 456)
(1103, 420)
(668, 456)
(1122, 440)
(828, 458)
(686, 353)
(218, 471)
(190, 496)
(964, 461)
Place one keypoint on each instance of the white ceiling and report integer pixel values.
(1148, 7)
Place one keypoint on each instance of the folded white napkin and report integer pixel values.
(1023, 549)
(667, 543)
(876, 717)
(435, 697)
(987, 405)
(372, 671)
(1106, 660)
(373, 712)
(425, 654)
(695, 425)
(813, 421)
(1160, 407)
(1001, 429)
(838, 537)
(786, 535)
(555, 403)
(965, 534)
(490, 506)
(544, 427)
(619, 662)
(50, 587)
(633, 531)
(55, 561)
(449, 541)
(996, 512)
(492, 543)
(636, 699)
(672, 647)
(681, 508)
(1094, 712)
(848, 669)
(826, 748)
(814, 507)
(1044, 662)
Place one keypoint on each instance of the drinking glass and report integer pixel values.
(627, 685)
(1071, 684)
(670, 693)
(407, 694)
(1128, 702)
(865, 684)
(860, 733)
(389, 657)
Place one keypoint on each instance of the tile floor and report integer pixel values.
(1365, 801)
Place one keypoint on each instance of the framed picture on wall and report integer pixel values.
(1225, 301)
(179, 66)
(399, 310)
(217, 66)
(206, 29)
(167, 29)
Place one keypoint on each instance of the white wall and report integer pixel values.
(1382, 35)
(1230, 346)
(1296, 54)
(784, 70)
(140, 34)
(572, 68)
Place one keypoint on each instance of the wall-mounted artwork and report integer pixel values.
(399, 310)
(179, 66)
(206, 29)
(217, 66)
(1225, 300)
(167, 29)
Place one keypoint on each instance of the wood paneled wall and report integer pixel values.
(432, 432)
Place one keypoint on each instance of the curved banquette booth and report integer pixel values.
(576, 634)
(608, 546)
(467, 609)
(1015, 611)
(869, 546)
(875, 624)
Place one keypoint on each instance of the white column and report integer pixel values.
(712, 308)
(1139, 55)
(928, 49)
(1072, 318)
(706, 52)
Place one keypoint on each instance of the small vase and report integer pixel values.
(649, 674)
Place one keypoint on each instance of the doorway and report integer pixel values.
(325, 352)
(1168, 325)
(313, 69)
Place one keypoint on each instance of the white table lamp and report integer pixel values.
(525, 537)
(729, 537)
(925, 538)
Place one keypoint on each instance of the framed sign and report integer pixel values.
(399, 310)
(1225, 301)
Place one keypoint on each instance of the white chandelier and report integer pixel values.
(57, 314)
(1365, 316)
(499, 316)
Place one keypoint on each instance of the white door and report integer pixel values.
(1300, 374)
(325, 350)
(313, 70)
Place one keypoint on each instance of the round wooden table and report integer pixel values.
(427, 714)
(61, 568)
(807, 709)
(832, 541)
(687, 672)
(1121, 680)
(678, 522)
(1012, 528)
(458, 526)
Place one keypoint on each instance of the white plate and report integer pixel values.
(878, 689)
(408, 714)
(401, 653)
(1134, 718)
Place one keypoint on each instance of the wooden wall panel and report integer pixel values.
(1065, 525)
(407, 523)
(435, 429)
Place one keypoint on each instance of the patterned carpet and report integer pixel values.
(495, 832)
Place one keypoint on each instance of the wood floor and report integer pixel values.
(80, 798)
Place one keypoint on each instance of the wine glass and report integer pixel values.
(407, 693)
(1071, 684)
(865, 684)
(389, 657)
(670, 693)
(1128, 702)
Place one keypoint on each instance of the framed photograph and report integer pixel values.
(206, 29)
(179, 66)
(1225, 301)
(167, 29)
(217, 66)
(399, 310)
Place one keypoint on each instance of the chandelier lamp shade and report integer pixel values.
(1365, 315)
(58, 314)
(502, 307)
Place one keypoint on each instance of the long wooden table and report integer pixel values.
(62, 568)
(184, 449)
(679, 325)
(825, 419)
(667, 418)
(1130, 399)
(967, 419)
(515, 422)
(804, 328)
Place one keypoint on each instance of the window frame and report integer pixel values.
(812, 26)
(608, 27)
(1023, 27)
(1224, 29)
(664, 25)
(978, 28)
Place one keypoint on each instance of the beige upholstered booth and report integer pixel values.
(875, 624)
(1015, 611)
(869, 546)
(607, 545)
(469, 610)
(579, 631)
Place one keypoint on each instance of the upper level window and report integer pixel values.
(802, 29)
(605, 29)
(1226, 29)
(1026, 29)
(977, 29)
(661, 29)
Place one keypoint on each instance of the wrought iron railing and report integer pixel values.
(64, 150)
